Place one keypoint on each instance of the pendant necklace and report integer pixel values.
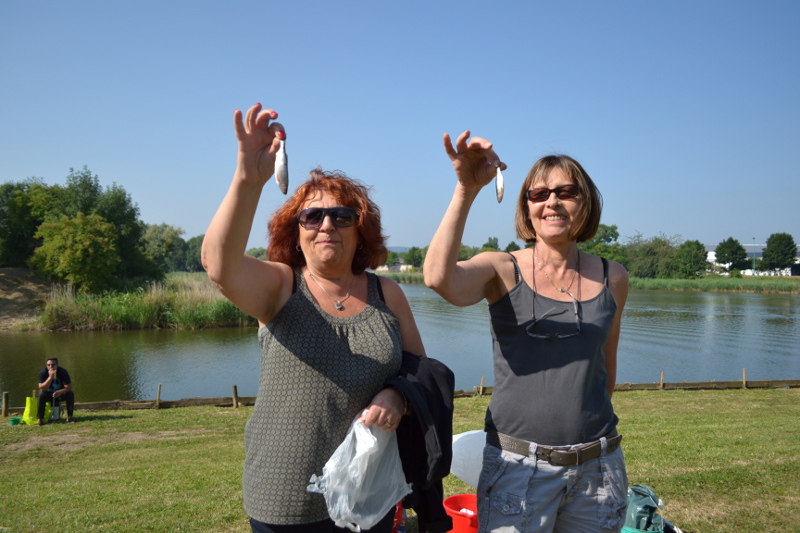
(337, 303)
(566, 289)
(559, 289)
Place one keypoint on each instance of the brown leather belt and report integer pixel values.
(554, 456)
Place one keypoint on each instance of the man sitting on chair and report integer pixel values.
(54, 383)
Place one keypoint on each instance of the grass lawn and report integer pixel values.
(721, 460)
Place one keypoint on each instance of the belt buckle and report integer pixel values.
(565, 457)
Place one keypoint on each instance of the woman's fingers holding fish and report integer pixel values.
(254, 129)
(474, 159)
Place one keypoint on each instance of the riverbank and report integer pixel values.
(766, 284)
(721, 460)
(190, 301)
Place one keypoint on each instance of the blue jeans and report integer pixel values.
(523, 495)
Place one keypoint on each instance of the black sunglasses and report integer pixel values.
(563, 192)
(341, 217)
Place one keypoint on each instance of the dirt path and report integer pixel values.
(22, 296)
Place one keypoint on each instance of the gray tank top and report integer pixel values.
(318, 372)
(551, 391)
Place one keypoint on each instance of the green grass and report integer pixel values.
(721, 460)
(721, 284)
(183, 301)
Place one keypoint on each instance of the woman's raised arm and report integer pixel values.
(252, 285)
(467, 282)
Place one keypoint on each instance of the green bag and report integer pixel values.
(29, 416)
(642, 514)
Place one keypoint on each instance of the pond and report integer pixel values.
(691, 336)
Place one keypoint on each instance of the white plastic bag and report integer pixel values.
(468, 456)
(363, 479)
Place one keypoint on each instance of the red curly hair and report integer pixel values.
(284, 230)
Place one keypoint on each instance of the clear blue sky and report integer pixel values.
(686, 114)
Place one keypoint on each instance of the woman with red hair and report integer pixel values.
(331, 334)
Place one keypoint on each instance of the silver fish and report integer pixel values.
(282, 168)
(499, 185)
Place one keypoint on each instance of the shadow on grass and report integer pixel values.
(82, 418)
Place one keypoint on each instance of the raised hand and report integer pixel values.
(259, 141)
(474, 160)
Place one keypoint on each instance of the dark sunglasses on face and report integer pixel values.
(341, 217)
(564, 192)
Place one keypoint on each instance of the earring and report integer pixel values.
(297, 247)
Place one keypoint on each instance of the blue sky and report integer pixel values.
(686, 114)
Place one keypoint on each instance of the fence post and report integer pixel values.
(235, 397)
(744, 378)
(158, 397)
(5, 404)
(661, 386)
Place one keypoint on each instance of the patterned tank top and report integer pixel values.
(318, 372)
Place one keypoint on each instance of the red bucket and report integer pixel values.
(455, 506)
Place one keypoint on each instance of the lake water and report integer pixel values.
(691, 336)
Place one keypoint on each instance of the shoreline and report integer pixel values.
(236, 401)
(189, 301)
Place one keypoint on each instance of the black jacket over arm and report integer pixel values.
(425, 438)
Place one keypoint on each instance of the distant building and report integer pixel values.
(757, 251)
(397, 266)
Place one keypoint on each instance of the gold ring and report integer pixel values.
(388, 423)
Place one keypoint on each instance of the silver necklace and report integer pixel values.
(559, 289)
(336, 303)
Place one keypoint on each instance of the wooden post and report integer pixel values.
(744, 378)
(158, 397)
(34, 394)
(5, 405)
(661, 386)
(480, 391)
(235, 398)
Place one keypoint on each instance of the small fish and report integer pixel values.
(499, 185)
(282, 168)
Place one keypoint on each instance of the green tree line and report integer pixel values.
(91, 237)
(659, 257)
(88, 236)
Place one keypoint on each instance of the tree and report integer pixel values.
(780, 252)
(512, 247)
(258, 253)
(650, 258)
(731, 252)
(81, 193)
(159, 241)
(414, 256)
(604, 244)
(467, 252)
(116, 206)
(690, 260)
(18, 223)
(176, 256)
(491, 245)
(80, 251)
(194, 262)
(32, 203)
(391, 258)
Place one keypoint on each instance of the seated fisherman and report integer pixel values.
(54, 383)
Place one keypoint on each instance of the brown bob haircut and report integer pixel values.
(284, 229)
(591, 208)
